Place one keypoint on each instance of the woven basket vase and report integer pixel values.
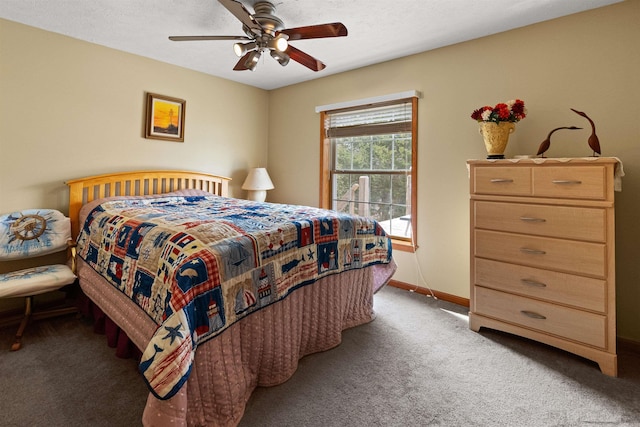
(496, 137)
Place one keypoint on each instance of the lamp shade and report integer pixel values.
(257, 184)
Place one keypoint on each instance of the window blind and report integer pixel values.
(368, 120)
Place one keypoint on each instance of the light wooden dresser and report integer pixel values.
(543, 253)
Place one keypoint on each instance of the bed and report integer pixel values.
(220, 295)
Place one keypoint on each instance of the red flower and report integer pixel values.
(511, 111)
(502, 110)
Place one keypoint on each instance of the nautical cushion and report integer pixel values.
(33, 232)
(34, 281)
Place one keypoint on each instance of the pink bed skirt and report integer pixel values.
(262, 349)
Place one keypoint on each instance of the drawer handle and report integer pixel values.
(501, 180)
(532, 251)
(533, 283)
(533, 314)
(532, 219)
(566, 181)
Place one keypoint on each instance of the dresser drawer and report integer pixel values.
(578, 291)
(584, 182)
(565, 322)
(562, 255)
(543, 220)
(515, 181)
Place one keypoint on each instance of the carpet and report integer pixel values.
(416, 364)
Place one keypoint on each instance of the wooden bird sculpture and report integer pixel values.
(544, 145)
(593, 141)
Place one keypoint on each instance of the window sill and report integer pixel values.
(403, 245)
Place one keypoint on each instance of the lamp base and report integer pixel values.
(257, 195)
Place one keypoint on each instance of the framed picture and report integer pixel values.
(165, 118)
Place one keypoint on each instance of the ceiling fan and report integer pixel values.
(265, 32)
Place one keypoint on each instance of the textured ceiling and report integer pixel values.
(379, 30)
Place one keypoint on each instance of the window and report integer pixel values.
(369, 164)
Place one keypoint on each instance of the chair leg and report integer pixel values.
(23, 324)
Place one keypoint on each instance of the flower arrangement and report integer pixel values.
(511, 111)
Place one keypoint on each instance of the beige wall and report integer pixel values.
(589, 61)
(71, 109)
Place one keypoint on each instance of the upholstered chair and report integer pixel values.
(34, 233)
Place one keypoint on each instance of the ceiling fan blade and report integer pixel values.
(239, 11)
(194, 38)
(305, 59)
(335, 29)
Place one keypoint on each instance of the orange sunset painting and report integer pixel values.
(166, 117)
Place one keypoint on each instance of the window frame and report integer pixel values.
(326, 150)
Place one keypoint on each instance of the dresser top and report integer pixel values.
(549, 160)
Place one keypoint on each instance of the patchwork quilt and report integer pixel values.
(197, 264)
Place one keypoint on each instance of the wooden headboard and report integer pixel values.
(138, 183)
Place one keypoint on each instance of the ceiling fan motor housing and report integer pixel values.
(264, 15)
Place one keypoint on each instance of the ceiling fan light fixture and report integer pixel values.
(281, 57)
(281, 43)
(278, 43)
(242, 48)
(252, 60)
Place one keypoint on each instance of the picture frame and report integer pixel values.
(165, 118)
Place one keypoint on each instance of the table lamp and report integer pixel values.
(257, 184)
